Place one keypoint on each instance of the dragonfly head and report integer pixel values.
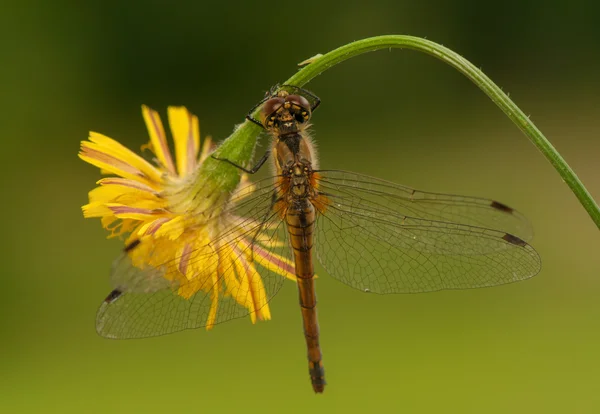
(285, 113)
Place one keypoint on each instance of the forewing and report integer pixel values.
(380, 237)
(152, 301)
(380, 194)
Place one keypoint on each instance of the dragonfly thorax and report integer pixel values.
(298, 175)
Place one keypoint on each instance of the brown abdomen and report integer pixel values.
(300, 220)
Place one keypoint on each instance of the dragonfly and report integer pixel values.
(370, 234)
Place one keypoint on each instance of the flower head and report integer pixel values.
(163, 210)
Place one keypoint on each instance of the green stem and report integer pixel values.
(242, 141)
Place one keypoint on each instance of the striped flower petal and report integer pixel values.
(214, 302)
(109, 155)
(186, 135)
(207, 147)
(272, 261)
(134, 213)
(158, 139)
(125, 195)
(126, 183)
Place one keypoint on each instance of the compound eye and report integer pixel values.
(300, 101)
(300, 107)
(270, 107)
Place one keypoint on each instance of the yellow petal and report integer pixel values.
(207, 147)
(246, 293)
(234, 286)
(107, 154)
(112, 147)
(125, 195)
(158, 138)
(259, 294)
(151, 227)
(96, 210)
(257, 288)
(189, 289)
(122, 211)
(123, 227)
(271, 261)
(126, 183)
(196, 268)
(116, 226)
(173, 229)
(214, 302)
(186, 134)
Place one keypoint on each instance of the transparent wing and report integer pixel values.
(250, 257)
(472, 211)
(380, 237)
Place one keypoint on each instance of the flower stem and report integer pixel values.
(243, 139)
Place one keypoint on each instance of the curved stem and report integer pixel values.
(244, 137)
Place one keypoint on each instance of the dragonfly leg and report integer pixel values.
(251, 118)
(249, 171)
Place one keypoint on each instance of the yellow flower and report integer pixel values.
(164, 212)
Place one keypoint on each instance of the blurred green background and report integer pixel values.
(69, 67)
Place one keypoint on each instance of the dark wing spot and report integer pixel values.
(132, 245)
(501, 207)
(112, 296)
(514, 240)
